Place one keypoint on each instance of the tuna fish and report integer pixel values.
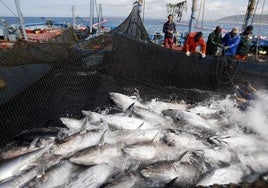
(152, 117)
(188, 117)
(127, 180)
(77, 142)
(57, 176)
(128, 137)
(183, 139)
(158, 106)
(23, 180)
(125, 122)
(152, 152)
(225, 175)
(15, 166)
(124, 101)
(98, 154)
(160, 174)
(94, 176)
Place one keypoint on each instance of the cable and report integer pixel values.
(259, 28)
(229, 76)
(9, 8)
(253, 17)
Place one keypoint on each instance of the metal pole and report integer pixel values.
(143, 10)
(249, 13)
(17, 3)
(193, 15)
(74, 20)
(100, 16)
(91, 15)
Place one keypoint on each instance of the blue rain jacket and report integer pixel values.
(232, 42)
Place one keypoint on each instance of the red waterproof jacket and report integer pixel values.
(190, 44)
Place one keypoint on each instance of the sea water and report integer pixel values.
(152, 25)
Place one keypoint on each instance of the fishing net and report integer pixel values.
(40, 82)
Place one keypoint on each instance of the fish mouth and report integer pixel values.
(146, 172)
(125, 150)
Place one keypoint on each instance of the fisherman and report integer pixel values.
(214, 41)
(169, 28)
(244, 44)
(230, 42)
(195, 43)
(244, 94)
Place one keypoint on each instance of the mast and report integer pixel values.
(17, 3)
(193, 15)
(74, 21)
(249, 13)
(91, 15)
(99, 17)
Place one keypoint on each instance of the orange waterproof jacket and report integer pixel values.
(190, 44)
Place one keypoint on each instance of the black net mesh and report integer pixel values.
(41, 82)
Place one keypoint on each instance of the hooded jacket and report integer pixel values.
(191, 44)
(231, 42)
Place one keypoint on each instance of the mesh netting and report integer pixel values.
(41, 82)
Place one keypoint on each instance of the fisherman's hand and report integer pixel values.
(188, 53)
(203, 55)
(226, 47)
(220, 45)
(242, 100)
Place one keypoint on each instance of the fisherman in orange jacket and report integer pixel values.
(195, 43)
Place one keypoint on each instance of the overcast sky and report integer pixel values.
(214, 9)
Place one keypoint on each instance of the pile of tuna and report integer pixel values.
(138, 144)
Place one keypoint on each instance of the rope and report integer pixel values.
(259, 28)
(229, 76)
(203, 15)
(9, 9)
(198, 14)
(202, 7)
(253, 17)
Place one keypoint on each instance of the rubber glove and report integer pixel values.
(203, 55)
(188, 53)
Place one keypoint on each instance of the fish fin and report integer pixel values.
(129, 110)
(40, 170)
(182, 155)
(251, 169)
(130, 107)
(84, 124)
(34, 142)
(132, 165)
(156, 135)
(101, 141)
(133, 97)
(171, 182)
(86, 113)
(140, 126)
